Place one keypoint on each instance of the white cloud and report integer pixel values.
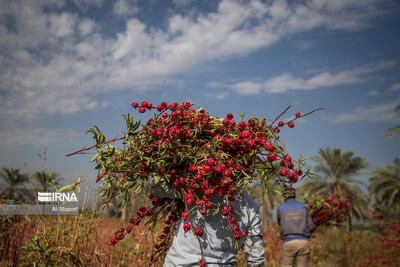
(221, 95)
(380, 113)
(77, 64)
(134, 42)
(247, 88)
(35, 136)
(182, 2)
(45, 89)
(373, 93)
(86, 26)
(395, 87)
(287, 82)
(62, 24)
(85, 4)
(219, 85)
(125, 7)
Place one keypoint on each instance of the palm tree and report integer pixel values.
(46, 179)
(392, 131)
(385, 184)
(337, 171)
(14, 187)
(269, 198)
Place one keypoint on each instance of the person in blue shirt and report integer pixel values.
(296, 228)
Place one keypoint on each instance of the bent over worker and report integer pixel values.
(217, 241)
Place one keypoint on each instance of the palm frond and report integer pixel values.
(385, 184)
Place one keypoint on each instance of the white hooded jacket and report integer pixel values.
(217, 240)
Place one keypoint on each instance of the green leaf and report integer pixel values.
(138, 189)
(241, 114)
(71, 187)
(130, 126)
(157, 178)
(98, 136)
(277, 191)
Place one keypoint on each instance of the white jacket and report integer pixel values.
(217, 240)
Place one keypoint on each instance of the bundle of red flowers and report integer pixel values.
(198, 156)
(332, 209)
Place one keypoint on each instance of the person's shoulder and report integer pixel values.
(249, 200)
(282, 206)
(300, 203)
(292, 204)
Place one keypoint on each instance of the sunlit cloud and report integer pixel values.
(380, 113)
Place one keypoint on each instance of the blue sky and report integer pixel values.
(67, 65)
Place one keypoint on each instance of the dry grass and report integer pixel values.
(82, 240)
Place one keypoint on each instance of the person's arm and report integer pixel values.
(162, 189)
(253, 246)
(278, 216)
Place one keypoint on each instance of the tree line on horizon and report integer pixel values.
(13, 184)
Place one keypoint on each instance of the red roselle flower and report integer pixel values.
(198, 231)
(225, 212)
(186, 227)
(269, 147)
(272, 156)
(290, 165)
(202, 263)
(236, 235)
(185, 216)
(186, 105)
(235, 227)
(229, 208)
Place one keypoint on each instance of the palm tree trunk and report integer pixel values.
(124, 212)
(348, 223)
(264, 215)
(348, 246)
(269, 220)
(266, 210)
